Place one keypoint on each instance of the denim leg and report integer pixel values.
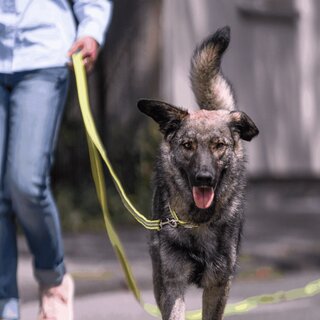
(36, 105)
(9, 304)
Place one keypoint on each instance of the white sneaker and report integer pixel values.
(56, 303)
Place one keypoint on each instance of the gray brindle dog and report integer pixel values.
(199, 178)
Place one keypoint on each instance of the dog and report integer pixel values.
(199, 183)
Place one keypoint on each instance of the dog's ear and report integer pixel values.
(241, 123)
(166, 115)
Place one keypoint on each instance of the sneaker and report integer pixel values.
(56, 303)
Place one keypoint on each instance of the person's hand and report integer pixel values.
(89, 49)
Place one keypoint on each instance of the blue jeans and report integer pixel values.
(31, 106)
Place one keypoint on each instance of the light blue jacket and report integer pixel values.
(38, 33)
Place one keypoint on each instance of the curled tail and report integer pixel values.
(211, 89)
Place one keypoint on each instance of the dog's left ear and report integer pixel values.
(243, 124)
(166, 115)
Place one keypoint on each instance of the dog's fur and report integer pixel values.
(201, 157)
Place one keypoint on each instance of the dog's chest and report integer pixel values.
(208, 258)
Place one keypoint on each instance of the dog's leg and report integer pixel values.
(170, 297)
(214, 300)
(172, 305)
(169, 294)
(169, 283)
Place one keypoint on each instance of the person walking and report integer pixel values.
(37, 38)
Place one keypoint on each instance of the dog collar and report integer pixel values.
(175, 222)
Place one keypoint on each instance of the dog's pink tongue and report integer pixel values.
(203, 196)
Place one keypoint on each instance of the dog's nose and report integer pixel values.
(204, 178)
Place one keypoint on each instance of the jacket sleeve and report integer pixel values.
(93, 17)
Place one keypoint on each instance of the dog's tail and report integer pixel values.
(211, 89)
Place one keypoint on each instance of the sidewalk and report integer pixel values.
(120, 305)
(281, 251)
(101, 291)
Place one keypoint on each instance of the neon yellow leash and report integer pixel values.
(97, 151)
(97, 144)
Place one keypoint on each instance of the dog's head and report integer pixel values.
(202, 144)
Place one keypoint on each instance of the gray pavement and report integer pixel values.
(281, 251)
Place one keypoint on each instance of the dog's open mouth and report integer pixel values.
(203, 196)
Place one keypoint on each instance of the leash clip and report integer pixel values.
(171, 222)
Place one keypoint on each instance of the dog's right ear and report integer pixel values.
(166, 115)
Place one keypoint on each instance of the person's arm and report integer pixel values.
(93, 17)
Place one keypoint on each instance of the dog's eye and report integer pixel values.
(187, 145)
(220, 145)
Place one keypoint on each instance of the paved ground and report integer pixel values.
(281, 251)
